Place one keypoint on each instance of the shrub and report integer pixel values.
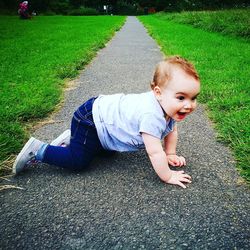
(124, 8)
(83, 11)
(59, 7)
(48, 13)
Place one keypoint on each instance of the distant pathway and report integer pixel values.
(120, 203)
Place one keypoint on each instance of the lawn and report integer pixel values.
(223, 63)
(234, 22)
(36, 57)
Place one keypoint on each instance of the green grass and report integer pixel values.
(234, 22)
(223, 63)
(36, 57)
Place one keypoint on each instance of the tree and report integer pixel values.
(169, 5)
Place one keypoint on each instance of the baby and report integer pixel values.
(127, 123)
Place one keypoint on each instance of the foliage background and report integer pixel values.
(126, 7)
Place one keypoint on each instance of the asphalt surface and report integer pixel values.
(119, 203)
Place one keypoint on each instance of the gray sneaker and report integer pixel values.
(63, 139)
(27, 156)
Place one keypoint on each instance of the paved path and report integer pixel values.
(120, 203)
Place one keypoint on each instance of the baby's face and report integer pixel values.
(178, 98)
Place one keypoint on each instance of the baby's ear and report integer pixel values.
(157, 92)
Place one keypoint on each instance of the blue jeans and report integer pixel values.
(84, 142)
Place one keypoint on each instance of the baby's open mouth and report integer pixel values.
(182, 115)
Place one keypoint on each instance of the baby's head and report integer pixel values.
(176, 85)
(165, 69)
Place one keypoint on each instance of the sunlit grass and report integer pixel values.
(234, 22)
(36, 56)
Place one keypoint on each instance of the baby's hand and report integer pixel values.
(178, 177)
(176, 161)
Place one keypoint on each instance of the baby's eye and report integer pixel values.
(194, 98)
(181, 98)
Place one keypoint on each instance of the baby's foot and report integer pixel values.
(27, 155)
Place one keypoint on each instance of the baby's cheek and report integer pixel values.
(194, 106)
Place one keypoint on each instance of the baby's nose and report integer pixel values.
(187, 105)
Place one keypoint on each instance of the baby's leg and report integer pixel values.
(73, 157)
(84, 142)
(84, 146)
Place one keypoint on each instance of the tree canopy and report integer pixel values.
(118, 5)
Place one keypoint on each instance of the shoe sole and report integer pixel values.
(27, 145)
(61, 138)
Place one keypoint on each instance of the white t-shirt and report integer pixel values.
(120, 119)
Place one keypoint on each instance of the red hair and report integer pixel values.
(163, 71)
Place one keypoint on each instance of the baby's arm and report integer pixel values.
(159, 162)
(170, 142)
